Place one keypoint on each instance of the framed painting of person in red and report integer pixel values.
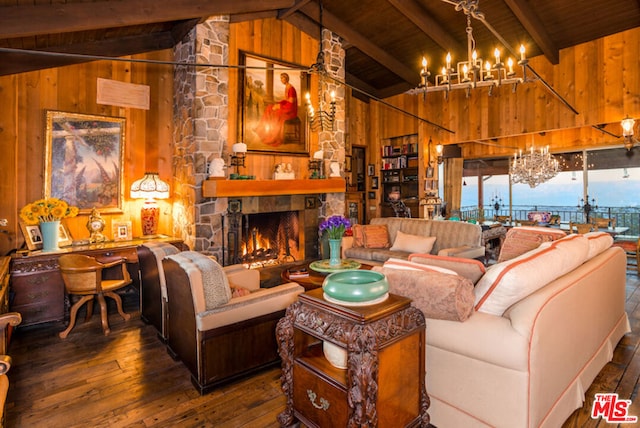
(273, 115)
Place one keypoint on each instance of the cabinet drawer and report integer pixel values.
(317, 399)
(37, 313)
(45, 290)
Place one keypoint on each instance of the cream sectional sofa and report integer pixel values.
(453, 238)
(526, 361)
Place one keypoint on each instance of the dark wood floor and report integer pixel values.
(128, 380)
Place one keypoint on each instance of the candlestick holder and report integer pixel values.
(587, 207)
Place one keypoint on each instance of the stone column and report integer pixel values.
(333, 142)
(201, 105)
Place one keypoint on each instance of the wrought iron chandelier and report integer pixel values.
(533, 167)
(322, 118)
(474, 72)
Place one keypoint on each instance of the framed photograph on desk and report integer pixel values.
(121, 230)
(32, 236)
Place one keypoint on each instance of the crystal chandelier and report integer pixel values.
(474, 72)
(533, 167)
(322, 118)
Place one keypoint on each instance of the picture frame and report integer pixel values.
(121, 230)
(370, 170)
(429, 172)
(372, 195)
(84, 157)
(265, 120)
(64, 236)
(374, 182)
(32, 236)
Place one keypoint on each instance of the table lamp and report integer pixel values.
(150, 187)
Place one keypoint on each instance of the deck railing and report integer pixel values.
(625, 217)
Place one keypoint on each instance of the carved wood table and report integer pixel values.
(384, 380)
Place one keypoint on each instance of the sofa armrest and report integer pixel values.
(464, 251)
(240, 276)
(261, 302)
(347, 242)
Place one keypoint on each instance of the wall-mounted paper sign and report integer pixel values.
(122, 94)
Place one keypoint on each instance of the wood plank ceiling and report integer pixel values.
(384, 39)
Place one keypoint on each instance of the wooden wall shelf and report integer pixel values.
(241, 188)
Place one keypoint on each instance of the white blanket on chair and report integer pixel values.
(214, 281)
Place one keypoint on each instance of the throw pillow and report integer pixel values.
(509, 282)
(520, 240)
(395, 263)
(438, 295)
(469, 268)
(239, 292)
(376, 236)
(598, 242)
(358, 235)
(413, 243)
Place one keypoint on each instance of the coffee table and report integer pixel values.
(315, 279)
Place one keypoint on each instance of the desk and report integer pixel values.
(37, 285)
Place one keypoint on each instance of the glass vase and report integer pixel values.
(334, 252)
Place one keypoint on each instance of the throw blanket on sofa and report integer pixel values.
(214, 281)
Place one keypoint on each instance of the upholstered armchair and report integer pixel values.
(221, 338)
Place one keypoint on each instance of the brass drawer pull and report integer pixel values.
(324, 403)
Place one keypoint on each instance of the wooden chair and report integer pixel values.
(554, 220)
(604, 222)
(82, 276)
(580, 228)
(502, 219)
(632, 248)
(6, 320)
(527, 222)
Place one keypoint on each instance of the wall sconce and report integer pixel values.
(150, 187)
(439, 149)
(627, 132)
(238, 158)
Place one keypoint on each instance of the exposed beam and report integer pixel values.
(284, 14)
(12, 63)
(534, 26)
(23, 21)
(356, 39)
(416, 14)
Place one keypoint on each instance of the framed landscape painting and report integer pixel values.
(83, 160)
(272, 111)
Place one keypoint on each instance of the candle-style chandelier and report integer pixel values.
(474, 72)
(533, 167)
(322, 118)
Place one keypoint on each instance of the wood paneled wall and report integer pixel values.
(25, 98)
(600, 79)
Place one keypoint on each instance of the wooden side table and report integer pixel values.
(384, 382)
(315, 279)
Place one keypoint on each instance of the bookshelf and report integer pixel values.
(399, 173)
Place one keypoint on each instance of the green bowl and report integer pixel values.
(355, 285)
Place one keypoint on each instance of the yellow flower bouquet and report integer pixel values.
(48, 209)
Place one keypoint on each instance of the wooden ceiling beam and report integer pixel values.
(535, 28)
(12, 63)
(429, 26)
(356, 39)
(24, 21)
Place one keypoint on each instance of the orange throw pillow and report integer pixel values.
(376, 236)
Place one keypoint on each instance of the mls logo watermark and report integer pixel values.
(612, 409)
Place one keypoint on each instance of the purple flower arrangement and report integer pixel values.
(335, 226)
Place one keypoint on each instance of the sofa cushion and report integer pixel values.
(598, 242)
(371, 236)
(509, 282)
(412, 243)
(469, 268)
(438, 295)
(520, 240)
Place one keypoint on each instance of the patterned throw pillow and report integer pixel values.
(520, 240)
(376, 236)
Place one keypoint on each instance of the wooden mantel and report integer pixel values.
(241, 188)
